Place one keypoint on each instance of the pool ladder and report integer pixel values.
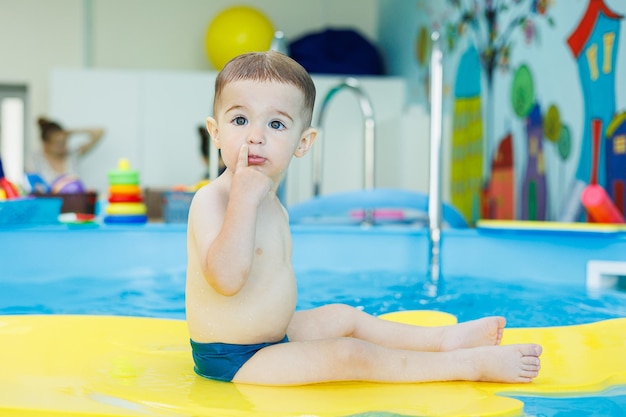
(367, 111)
(434, 183)
(436, 137)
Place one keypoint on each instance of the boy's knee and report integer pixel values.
(340, 310)
(353, 353)
(344, 318)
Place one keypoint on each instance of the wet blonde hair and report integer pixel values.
(268, 66)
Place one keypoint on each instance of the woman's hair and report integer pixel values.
(48, 126)
(268, 66)
(204, 141)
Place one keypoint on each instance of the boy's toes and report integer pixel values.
(531, 350)
(531, 360)
(529, 374)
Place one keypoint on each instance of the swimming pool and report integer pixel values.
(534, 278)
(151, 293)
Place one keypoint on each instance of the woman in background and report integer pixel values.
(55, 158)
(205, 151)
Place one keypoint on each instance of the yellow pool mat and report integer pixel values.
(122, 366)
(549, 226)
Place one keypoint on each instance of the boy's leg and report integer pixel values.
(337, 320)
(350, 359)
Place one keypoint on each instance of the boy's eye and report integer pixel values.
(239, 121)
(275, 124)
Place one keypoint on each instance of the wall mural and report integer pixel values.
(594, 45)
(474, 191)
(483, 166)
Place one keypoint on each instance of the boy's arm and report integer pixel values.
(227, 260)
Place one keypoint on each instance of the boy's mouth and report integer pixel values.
(255, 160)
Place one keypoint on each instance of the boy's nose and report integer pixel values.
(256, 136)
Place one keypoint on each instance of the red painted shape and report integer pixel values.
(596, 129)
(581, 34)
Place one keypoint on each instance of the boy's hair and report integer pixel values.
(268, 66)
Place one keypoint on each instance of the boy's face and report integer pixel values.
(268, 117)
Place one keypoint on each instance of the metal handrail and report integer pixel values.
(368, 136)
(434, 184)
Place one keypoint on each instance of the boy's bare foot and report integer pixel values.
(509, 363)
(486, 331)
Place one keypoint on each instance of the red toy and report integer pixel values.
(599, 205)
(10, 191)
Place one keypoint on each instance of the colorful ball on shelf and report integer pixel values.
(234, 31)
(67, 184)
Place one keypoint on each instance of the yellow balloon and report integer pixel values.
(234, 31)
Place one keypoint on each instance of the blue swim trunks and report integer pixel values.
(221, 361)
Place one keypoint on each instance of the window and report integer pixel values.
(619, 145)
(12, 131)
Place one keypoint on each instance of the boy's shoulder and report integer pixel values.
(211, 188)
(213, 192)
(209, 202)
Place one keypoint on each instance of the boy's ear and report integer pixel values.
(211, 126)
(306, 141)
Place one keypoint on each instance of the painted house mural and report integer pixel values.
(499, 193)
(534, 190)
(594, 44)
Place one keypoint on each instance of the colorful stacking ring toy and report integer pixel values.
(126, 204)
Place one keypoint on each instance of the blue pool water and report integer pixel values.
(146, 293)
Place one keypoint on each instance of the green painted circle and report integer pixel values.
(565, 143)
(522, 92)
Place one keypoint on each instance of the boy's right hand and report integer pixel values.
(249, 183)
